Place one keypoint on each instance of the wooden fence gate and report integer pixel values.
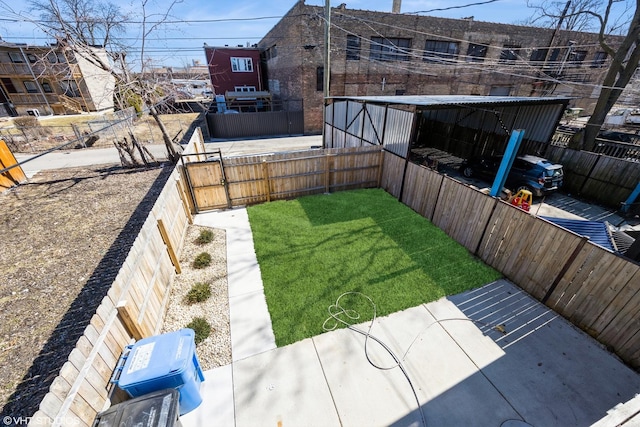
(217, 183)
(207, 183)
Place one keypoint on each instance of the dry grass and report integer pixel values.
(64, 235)
(55, 131)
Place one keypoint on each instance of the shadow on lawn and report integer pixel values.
(388, 252)
(24, 402)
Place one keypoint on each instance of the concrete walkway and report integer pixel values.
(480, 358)
(251, 331)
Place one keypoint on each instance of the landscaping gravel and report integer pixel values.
(216, 349)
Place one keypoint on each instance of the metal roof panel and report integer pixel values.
(454, 100)
(596, 231)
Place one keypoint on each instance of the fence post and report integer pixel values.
(565, 268)
(380, 166)
(170, 248)
(129, 321)
(327, 173)
(586, 179)
(267, 184)
(486, 226)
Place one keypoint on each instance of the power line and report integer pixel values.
(455, 7)
(466, 61)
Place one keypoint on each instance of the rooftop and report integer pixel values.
(456, 100)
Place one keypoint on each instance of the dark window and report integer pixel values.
(510, 53)
(400, 92)
(47, 87)
(437, 51)
(500, 91)
(272, 52)
(31, 86)
(554, 54)
(353, 48)
(8, 85)
(16, 57)
(538, 55)
(320, 79)
(31, 57)
(70, 88)
(599, 60)
(576, 58)
(390, 49)
(476, 52)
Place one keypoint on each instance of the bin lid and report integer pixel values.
(158, 356)
(157, 409)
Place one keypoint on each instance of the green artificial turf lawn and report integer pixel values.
(313, 249)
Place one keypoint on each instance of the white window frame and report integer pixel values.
(241, 65)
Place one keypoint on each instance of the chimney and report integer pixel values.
(396, 6)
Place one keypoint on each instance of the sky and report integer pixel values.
(237, 22)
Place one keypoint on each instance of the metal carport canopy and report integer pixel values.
(436, 101)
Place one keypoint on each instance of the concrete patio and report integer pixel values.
(488, 357)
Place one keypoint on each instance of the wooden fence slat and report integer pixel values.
(170, 247)
(50, 405)
(129, 320)
(616, 275)
(621, 316)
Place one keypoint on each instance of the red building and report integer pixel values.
(234, 69)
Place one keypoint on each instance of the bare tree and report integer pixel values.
(548, 13)
(577, 15)
(80, 25)
(86, 21)
(582, 14)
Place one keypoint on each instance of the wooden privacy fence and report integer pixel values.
(608, 180)
(217, 183)
(595, 289)
(133, 308)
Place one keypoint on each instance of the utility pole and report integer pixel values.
(560, 21)
(327, 64)
(553, 38)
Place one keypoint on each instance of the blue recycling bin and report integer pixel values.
(164, 361)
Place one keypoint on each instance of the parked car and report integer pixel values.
(528, 172)
(629, 138)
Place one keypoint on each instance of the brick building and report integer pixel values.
(378, 53)
(51, 80)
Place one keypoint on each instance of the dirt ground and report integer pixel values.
(64, 236)
(54, 131)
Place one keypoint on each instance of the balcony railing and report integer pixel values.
(33, 98)
(40, 69)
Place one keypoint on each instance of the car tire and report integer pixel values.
(525, 187)
(467, 171)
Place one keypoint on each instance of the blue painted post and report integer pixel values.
(507, 161)
(632, 198)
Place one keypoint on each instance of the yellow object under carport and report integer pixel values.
(523, 199)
